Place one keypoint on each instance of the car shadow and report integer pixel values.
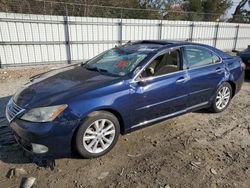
(10, 151)
(3, 102)
(202, 111)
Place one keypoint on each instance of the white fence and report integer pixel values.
(36, 39)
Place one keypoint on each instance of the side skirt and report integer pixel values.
(149, 122)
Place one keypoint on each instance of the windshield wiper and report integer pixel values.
(96, 69)
(84, 63)
(100, 70)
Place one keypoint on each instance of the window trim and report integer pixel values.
(134, 80)
(191, 45)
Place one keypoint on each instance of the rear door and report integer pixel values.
(206, 71)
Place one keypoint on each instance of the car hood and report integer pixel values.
(53, 86)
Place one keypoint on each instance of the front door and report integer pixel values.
(160, 90)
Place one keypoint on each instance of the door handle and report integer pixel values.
(181, 79)
(219, 70)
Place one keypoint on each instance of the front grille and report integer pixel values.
(12, 110)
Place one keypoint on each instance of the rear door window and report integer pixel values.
(198, 57)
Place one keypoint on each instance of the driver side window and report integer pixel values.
(166, 63)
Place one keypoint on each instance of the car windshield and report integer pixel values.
(118, 61)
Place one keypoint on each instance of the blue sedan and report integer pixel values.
(85, 107)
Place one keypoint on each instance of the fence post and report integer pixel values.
(191, 32)
(67, 41)
(120, 29)
(120, 32)
(236, 37)
(160, 30)
(216, 34)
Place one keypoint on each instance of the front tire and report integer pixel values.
(222, 98)
(97, 135)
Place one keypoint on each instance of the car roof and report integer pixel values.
(161, 42)
(148, 45)
(155, 45)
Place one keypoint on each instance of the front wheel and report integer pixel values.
(97, 135)
(222, 98)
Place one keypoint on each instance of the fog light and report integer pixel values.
(38, 148)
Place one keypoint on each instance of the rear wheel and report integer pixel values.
(97, 135)
(222, 98)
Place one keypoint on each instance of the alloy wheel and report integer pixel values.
(99, 136)
(223, 97)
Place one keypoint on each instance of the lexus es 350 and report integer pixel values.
(87, 106)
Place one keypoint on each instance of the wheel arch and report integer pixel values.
(110, 110)
(233, 85)
(117, 115)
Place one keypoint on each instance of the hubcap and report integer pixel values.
(99, 136)
(223, 98)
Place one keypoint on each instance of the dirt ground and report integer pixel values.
(198, 149)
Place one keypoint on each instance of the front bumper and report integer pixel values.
(36, 137)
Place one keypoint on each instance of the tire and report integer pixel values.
(97, 135)
(216, 106)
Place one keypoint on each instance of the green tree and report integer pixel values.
(198, 10)
(205, 10)
(150, 9)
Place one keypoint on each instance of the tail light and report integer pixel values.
(243, 65)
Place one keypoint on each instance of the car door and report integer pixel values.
(206, 71)
(159, 91)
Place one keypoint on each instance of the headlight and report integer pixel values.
(43, 114)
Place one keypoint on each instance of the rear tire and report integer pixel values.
(97, 135)
(222, 98)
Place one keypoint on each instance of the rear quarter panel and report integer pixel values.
(234, 69)
(236, 72)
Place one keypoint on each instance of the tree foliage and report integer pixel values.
(207, 10)
(149, 9)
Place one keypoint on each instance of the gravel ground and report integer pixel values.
(198, 149)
